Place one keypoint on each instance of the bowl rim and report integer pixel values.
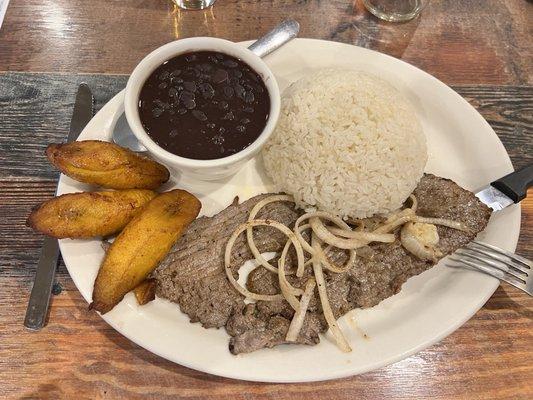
(154, 59)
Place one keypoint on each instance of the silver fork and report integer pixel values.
(501, 264)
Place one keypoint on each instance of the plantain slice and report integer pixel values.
(88, 214)
(142, 245)
(145, 291)
(106, 164)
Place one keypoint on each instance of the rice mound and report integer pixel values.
(346, 142)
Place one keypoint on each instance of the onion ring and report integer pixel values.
(250, 236)
(227, 256)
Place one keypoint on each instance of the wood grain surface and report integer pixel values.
(482, 47)
(458, 41)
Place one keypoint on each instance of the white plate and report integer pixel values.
(430, 306)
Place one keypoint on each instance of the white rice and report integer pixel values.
(348, 143)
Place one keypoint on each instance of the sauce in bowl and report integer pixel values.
(204, 105)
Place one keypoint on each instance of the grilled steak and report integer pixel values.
(193, 274)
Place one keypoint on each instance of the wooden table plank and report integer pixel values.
(458, 41)
(78, 355)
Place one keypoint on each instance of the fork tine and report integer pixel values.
(497, 273)
(493, 263)
(512, 256)
(499, 256)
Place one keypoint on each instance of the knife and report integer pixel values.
(508, 190)
(46, 267)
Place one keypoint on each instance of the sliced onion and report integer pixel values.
(321, 254)
(288, 291)
(227, 256)
(249, 235)
(389, 226)
(363, 237)
(460, 226)
(299, 316)
(336, 220)
(326, 308)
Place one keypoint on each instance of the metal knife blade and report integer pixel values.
(46, 267)
(493, 198)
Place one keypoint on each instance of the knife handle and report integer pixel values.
(42, 285)
(515, 184)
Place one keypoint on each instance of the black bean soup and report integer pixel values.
(204, 105)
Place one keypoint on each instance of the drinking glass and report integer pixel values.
(395, 10)
(194, 4)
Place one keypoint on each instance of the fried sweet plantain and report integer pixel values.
(88, 214)
(145, 291)
(142, 245)
(106, 164)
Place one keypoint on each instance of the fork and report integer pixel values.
(499, 263)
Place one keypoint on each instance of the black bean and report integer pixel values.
(158, 103)
(217, 139)
(185, 96)
(240, 128)
(211, 126)
(190, 57)
(173, 133)
(189, 104)
(175, 73)
(156, 112)
(239, 91)
(172, 92)
(162, 85)
(199, 115)
(248, 110)
(228, 91)
(230, 63)
(236, 73)
(205, 67)
(245, 121)
(178, 80)
(223, 105)
(229, 116)
(182, 111)
(206, 90)
(164, 75)
(249, 97)
(252, 76)
(190, 86)
(219, 76)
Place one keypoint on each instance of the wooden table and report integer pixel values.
(482, 48)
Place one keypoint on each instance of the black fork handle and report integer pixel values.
(515, 184)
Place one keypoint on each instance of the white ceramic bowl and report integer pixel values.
(206, 170)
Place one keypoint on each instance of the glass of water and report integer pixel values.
(395, 10)
(194, 4)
